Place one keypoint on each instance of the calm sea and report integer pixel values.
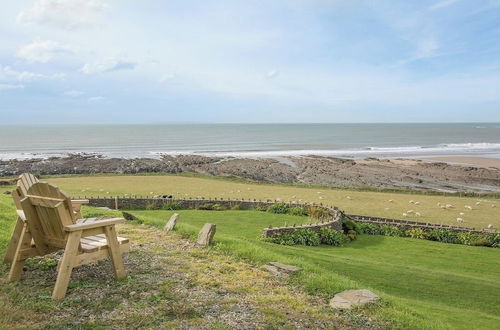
(252, 140)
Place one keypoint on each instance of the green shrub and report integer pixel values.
(443, 235)
(416, 233)
(369, 228)
(352, 234)
(391, 231)
(236, 207)
(348, 225)
(297, 237)
(172, 206)
(318, 213)
(279, 208)
(495, 240)
(297, 210)
(332, 237)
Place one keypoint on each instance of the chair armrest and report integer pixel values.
(79, 201)
(90, 223)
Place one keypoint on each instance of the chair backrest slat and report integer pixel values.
(48, 210)
(25, 181)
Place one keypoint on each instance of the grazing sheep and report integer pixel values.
(493, 205)
(348, 197)
(405, 215)
(443, 206)
(460, 220)
(320, 197)
(417, 203)
(417, 214)
(386, 209)
(391, 200)
(468, 207)
(490, 226)
(411, 202)
(409, 211)
(438, 204)
(449, 206)
(461, 213)
(478, 203)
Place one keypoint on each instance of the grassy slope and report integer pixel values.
(427, 284)
(360, 202)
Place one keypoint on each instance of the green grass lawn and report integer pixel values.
(424, 284)
(355, 202)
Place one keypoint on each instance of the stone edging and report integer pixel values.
(406, 224)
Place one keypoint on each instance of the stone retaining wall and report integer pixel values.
(334, 221)
(406, 224)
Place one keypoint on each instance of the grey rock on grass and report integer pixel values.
(352, 298)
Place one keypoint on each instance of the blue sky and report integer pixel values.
(76, 61)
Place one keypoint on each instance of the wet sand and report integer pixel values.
(485, 162)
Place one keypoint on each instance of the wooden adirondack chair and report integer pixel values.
(24, 182)
(52, 226)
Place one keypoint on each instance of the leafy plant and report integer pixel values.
(297, 237)
(391, 231)
(416, 233)
(348, 225)
(369, 228)
(297, 210)
(442, 235)
(332, 237)
(172, 206)
(236, 207)
(318, 213)
(352, 234)
(279, 208)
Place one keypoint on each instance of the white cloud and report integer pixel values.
(10, 86)
(43, 51)
(73, 93)
(442, 4)
(273, 73)
(96, 100)
(108, 66)
(7, 73)
(66, 14)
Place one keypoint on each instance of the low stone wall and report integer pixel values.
(334, 221)
(407, 224)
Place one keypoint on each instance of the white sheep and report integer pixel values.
(461, 213)
(405, 215)
(449, 206)
(438, 204)
(411, 202)
(417, 214)
(409, 211)
(417, 203)
(391, 200)
(320, 197)
(348, 197)
(478, 203)
(460, 220)
(490, 226)
(493, 205)
(468, 207)
(386, 209)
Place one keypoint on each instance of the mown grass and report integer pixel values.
(356, 202)
(424, 284)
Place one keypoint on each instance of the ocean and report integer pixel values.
(252, 140)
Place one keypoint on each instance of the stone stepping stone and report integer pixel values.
(289, 269)
(352, 298)
(170, 225)
(206, 234)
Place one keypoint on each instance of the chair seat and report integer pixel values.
(98, 242)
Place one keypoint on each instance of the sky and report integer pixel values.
(295, 61)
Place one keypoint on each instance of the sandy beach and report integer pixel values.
(466, 160)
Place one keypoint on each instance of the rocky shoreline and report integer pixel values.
(314, 170)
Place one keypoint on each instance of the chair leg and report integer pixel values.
(66, 265)
(16, 267)
(15, 239)
(115, 252)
